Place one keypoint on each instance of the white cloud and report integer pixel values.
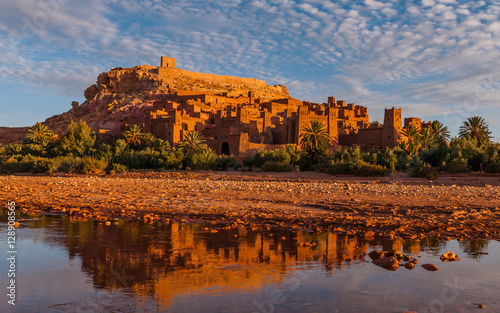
(375, 5)
(317, 48)
(428, 3)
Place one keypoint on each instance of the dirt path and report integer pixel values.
(452, 206)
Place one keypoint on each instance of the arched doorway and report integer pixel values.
(225, 148)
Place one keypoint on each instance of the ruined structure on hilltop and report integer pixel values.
(235, 115)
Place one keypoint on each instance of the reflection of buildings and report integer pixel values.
(167, 261)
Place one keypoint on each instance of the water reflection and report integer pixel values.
(166, 261)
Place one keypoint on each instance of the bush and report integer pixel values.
(493, 167)
(356, 167)
(262, 156)
(118, 168)
(27, 164)
(425, 170)
(457, 165)
(91, 165)
(69, 164)
(271, 166)
(224, 162)
(203, 161)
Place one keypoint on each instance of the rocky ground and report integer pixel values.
(450, 207)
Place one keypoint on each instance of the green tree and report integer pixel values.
(475, 128)
(40, 134)
(134, 135)
(78, 140)
(413, 136)
(314, 139)
(193, 143)
(427, 138)
(440, 131)
(148, 139)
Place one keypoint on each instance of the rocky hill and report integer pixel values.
(123, 95)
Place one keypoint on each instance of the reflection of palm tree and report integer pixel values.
(475, 128)
(474, 248)
(314, 139)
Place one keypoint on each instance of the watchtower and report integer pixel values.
(392, 126)
(168, 62)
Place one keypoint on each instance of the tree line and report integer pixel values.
(424, 152)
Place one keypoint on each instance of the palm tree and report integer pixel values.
(148, 139)
(193, 142)
(134, 136)
(413, 136)
(440, 131)
(161, 145)
(427, 137)
(314, 139)
(475, 128)
(40, 134)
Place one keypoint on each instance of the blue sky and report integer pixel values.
(436, 59)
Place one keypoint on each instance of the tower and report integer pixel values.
(392, 126)
(168, 62)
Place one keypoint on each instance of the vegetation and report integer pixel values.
(314, 140)
(475, 128)
(40, 134)
(424, 153)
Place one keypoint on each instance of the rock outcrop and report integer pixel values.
(124, 95)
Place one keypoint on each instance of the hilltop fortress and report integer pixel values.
(235, 115)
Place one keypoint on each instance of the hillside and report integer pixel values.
(123, 95)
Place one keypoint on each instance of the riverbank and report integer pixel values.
(466, 206)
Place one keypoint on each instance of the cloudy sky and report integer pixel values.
(436, 59)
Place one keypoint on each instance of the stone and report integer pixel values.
(376, 254)
(74, 104)
(430, 267)
(389, 263)
(449, 257)
(409, 265)
(91, 92)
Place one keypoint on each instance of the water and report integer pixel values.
(85, 266)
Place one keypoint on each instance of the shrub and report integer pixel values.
(262, 156)
(224, 162)
(92, 165)
(27, 164)
(457, 165)
(248, 161)
(70, 164)
(118, 168)
(78, 140)
(424, 170)
(204, 160)
(493, 167)
(171, 159)
(356, 167)
(271, 166)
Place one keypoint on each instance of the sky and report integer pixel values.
(435, 59)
